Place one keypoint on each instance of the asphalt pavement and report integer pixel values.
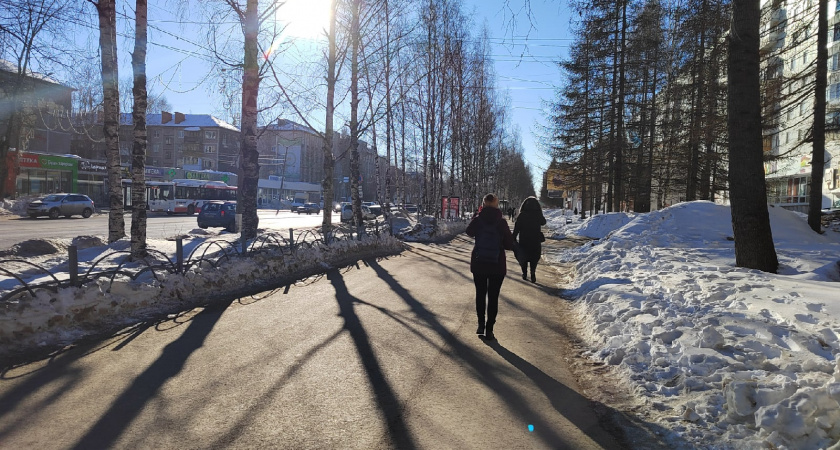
(382, 354)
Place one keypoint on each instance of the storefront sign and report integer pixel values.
(190, 175)
(92, 166)
(47, 162)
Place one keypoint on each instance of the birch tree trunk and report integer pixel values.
(106, 10)
(329, 159)
(138, 151)
(250, 169)
(355, 43)
(754, 247)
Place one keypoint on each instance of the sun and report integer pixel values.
(305, 19)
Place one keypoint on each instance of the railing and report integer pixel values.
(119, 264)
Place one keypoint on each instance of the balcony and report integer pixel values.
(778, 17)
(772, 40)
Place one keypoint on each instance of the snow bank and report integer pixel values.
(54, 318)
(427, 229)
(595, 227)
(730, 355)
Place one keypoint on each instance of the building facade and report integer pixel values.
(789, 49)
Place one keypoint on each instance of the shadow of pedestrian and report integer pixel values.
(131, 402)
(565, 401)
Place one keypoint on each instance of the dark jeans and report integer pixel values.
(487, 288)
(524, 266)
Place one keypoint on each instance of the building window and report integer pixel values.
(209, 135)
(836, 32)
(181, 134)
(168, 155)
(207, 164)
(834, 92)
(168, 140)
(155, 148)
(224, 138)
(802, 108)
(835, 61)
(156, 133)
(209, 149)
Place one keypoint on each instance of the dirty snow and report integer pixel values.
(57, 318)
(724, 356)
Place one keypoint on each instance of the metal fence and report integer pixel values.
(119, 264)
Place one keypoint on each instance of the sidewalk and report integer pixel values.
(378, 355)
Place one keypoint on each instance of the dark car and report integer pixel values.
(216, 214)
(308, 208)
(57, 205)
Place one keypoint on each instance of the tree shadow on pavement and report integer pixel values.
(131, 402)
(565, 401)
(386, 398)
(484, 370)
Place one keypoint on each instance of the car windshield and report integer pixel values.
(53, 198)
(211, 207)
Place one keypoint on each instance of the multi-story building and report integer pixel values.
(295, 152)
(789, 49)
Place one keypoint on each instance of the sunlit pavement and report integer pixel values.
(382, 354)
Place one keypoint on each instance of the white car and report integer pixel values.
(347, 213)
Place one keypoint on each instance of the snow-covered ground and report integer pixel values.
(51, 318)
(727, 357)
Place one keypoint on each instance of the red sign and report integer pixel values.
(28, 160)
(450, 207)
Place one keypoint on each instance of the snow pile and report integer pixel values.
(14, 207)
(427, 229)
(726, 354)
(595, 227)
(51, 318)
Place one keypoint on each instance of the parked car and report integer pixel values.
(309, 208)
(411, 208)
(57, 205)
(376, 210)
(217, 213)
(347, 213)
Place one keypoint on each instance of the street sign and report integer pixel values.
(555, 194)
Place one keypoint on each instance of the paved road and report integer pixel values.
(14, 229)
(379, 355)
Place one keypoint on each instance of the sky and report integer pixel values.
(525, 49)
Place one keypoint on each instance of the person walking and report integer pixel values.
(487, 262)
(527, 229)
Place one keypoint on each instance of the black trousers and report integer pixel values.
(487, 288)
(524, 265)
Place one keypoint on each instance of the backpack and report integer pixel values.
(488, 243)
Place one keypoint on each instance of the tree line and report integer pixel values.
(415, 79)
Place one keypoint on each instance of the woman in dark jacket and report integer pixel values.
(527, 228)
(488, 276)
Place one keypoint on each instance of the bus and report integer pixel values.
(191, 194)
(160, 195)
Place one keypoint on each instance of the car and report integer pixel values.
(218, 213)
(347, 213)
(376, 210)
(57, 205)
(297, 203)
(308, 208)
(411, 208)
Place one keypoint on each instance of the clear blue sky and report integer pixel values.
(524, 49)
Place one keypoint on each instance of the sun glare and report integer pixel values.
(305, 18)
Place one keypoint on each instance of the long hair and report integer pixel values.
(531, 204)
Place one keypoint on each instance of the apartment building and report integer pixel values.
(789, 49)
(295, 151)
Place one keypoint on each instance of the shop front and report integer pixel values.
(92, 176)
(45, 174)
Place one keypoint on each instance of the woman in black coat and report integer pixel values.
(489, 275)
(527, 228)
